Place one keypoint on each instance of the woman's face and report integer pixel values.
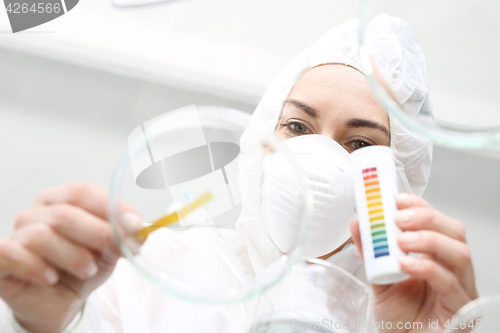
(336, 101)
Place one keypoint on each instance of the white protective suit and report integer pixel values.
(128, 303)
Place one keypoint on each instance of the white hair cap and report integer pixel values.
(400, 61)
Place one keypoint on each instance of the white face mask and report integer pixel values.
(325, 166)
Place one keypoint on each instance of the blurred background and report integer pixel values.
(73, 89)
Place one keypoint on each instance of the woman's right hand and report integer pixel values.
(61, 250)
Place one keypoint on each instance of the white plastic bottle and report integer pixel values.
(374, 177)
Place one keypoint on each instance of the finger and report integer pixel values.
(90, 197)
(406, 200)
(57, 250)
(71, 222)
(449, 252)
(356, 236)
(427, 218)
(17, 261)
(87, 196)
(77, 224)
(439, 278)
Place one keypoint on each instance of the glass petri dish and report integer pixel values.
(462, 74)
(479, 316)
(316, 296)
(203, 238)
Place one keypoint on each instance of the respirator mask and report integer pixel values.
(325, 165)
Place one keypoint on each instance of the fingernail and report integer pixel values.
(132, 222)
(50, 276)
(408, 261)
(133, 246)
(404, 215)
(405, 199)
(408, 236)
(91, 269)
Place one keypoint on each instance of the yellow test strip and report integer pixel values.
(174, 217)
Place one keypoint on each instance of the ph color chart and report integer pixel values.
(375, 212)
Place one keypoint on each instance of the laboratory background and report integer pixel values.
(73, 89)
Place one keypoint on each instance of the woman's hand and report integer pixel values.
(61, 249)
(441, 279)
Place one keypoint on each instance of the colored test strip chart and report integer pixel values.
(375, 212)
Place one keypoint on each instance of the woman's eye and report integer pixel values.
(357, 144)
(299, 128)
(296, 127)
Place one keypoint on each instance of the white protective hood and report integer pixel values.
(404, 66)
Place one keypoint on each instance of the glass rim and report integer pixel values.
(329, 265)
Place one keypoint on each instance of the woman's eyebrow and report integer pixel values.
(354, 123)
(310, 111)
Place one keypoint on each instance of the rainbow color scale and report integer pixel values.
(375, 212)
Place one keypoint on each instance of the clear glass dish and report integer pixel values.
(461, 59)
(479, 316)
(316, 296)
(174, 161)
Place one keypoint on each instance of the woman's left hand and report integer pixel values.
(441, 279)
